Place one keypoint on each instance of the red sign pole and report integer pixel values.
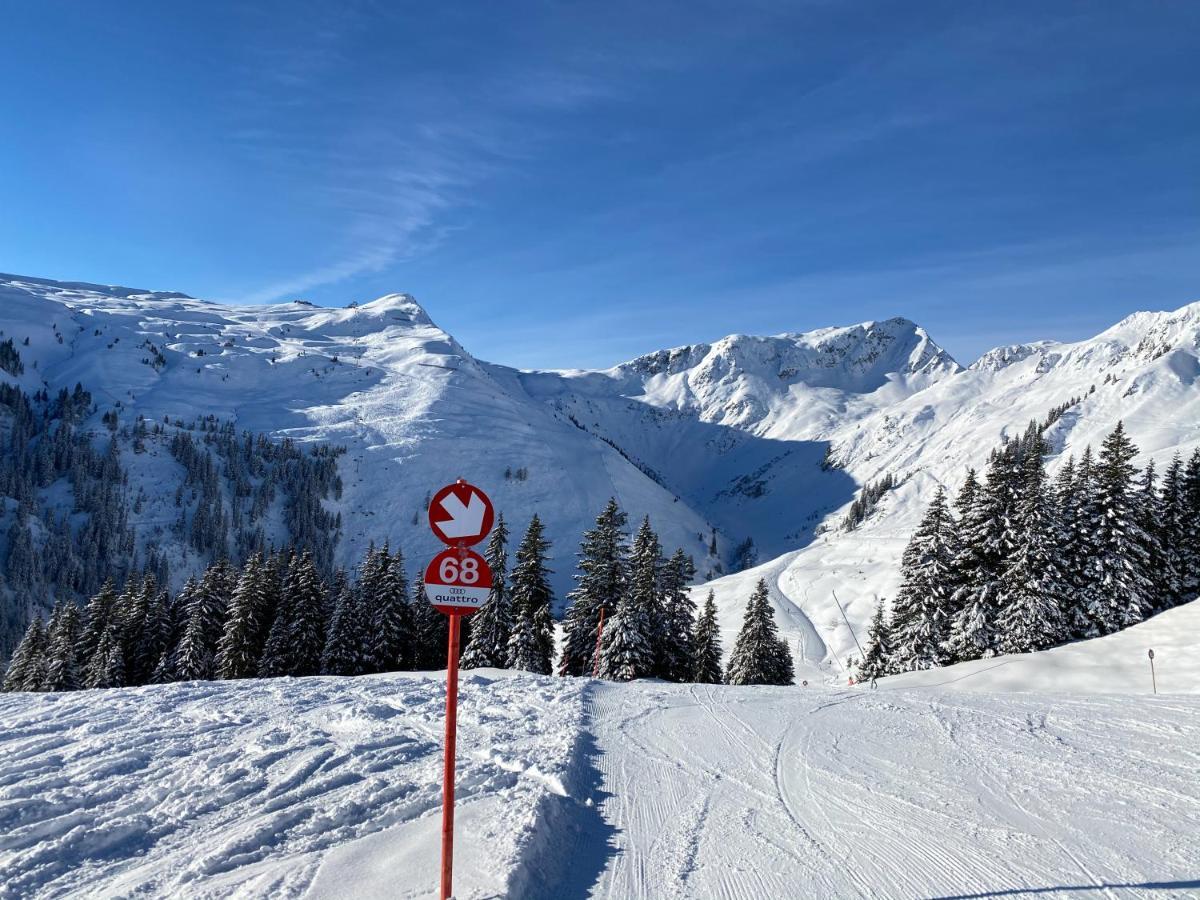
(457, 583)
(448, 772)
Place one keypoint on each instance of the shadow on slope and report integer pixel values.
(773, 491)
(571, 847)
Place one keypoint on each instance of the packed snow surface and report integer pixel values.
(778, 792)
(324, 787)
(330, 788)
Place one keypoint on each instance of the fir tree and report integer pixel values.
(874, 663)
(677, 652)
(1172, 532)
(62, 664)
(344, 640)
(759, 657)
(307, 600)
(193, 660)
(707, 645)
(1189, 562)
(920, 624)
(531, 645)
(27, 669)
(600, 584)
(631, 637)
(393, 625)
(1121, 588)
(628, 648)
(1033, 592)
(491, 626)
(107, 668)
(96, 616)
(238, 650)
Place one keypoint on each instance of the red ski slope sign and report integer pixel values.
(460, 514)
(457, 581)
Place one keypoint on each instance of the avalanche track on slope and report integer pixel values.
(775, 792)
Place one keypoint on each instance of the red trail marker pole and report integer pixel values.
(457, 582)
(448, 771)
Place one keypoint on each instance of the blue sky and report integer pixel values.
(574, 184)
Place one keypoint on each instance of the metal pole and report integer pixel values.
(448, 771)
(1153, 680)
(848, 625)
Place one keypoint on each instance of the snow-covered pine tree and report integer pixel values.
(874, 663)
(238, 650)
(62, 664)
(107, 668)
(371, 573)
(759, 656)
(981, 544)
(920, 625)
(677, 649)
(631, 635)
(1171, 532)
(1150, 510)
(491, 626)
(1033, 592)
(600, 584)
(707, 645)
(345, 637)
(1121, 588)
(1085, 512)
(27, 668)
(1189, 571)
(394, 642)
(157, 636)
(216, 590)
(306, 597)
(193, 660)
(531, 645)
(133, 609)
(96, 616)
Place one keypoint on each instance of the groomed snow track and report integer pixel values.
(329, 788)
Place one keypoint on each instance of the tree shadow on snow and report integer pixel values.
(1070, 888)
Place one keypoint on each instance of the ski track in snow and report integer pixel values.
(249, 788)
(774, 792)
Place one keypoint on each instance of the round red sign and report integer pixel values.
(460, 514)
(458, 581)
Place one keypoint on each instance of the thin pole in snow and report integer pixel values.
(1153, 680)
(848, 625)
(448, 763)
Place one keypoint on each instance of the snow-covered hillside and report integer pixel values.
(756, 438)
(329, 788)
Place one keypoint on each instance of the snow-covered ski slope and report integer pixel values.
(820, 793)
(568, 788)
(728, 435)
(323, 787)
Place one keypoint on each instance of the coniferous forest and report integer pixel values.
(277, 615)
(1018, 562)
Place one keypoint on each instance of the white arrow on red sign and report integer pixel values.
(460, 514)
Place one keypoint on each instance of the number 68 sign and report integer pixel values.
(458, 581)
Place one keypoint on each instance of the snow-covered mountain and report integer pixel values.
(759, 438)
